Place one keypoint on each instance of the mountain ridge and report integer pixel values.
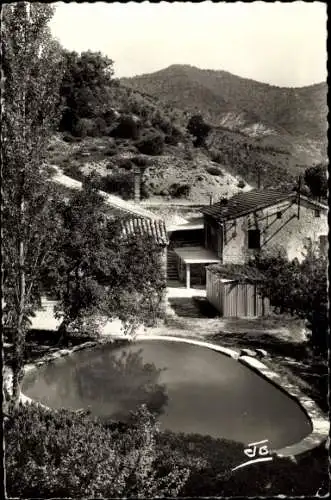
(298, 111)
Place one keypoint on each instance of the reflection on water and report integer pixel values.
(108, 382)
(193, 389)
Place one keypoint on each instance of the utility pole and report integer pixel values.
(259, 175)
(299, 195)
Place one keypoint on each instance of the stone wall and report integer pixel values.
(281, 230)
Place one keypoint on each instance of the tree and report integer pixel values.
(84, 87)
(32, 71)
(306, 291)
(199, 129)
(316, 179)
(97, 271)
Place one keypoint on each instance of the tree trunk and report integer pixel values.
(63, 333)
(19, 343)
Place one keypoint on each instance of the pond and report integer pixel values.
(193, 389)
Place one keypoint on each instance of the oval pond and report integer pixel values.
(197, 390)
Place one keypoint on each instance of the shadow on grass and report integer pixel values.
(193, 307)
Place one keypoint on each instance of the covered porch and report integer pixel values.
(188, 256)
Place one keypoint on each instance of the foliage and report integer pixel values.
(215, 155)
(127, 128)
(241, 184)
(32, 70)
(125, 163)
(212, 170)
(179, 190)
(120, 183)
(316, 179)
(151, 145)
(84, 88)
(141, 161)
(199, 129)
(97, 271)
(306, 291)
(62, 454)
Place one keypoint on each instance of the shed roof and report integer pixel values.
(196, 255)
(237, 272)
(244, 203)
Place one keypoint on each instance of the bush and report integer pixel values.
(216, 156)
(126, 129)
(306, 285)
(125, 163)
(111, 151)
(179, 190)
(172, 140)
(121, 183)
(151, 145)
(100, 125)
(70, 138)
(73, 170)
(212, 170)
(241, 184)
(85, 127)
(141, 161)
(62, 454)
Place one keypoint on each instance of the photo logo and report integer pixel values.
(259, 449)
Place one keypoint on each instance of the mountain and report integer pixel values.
(228, 100)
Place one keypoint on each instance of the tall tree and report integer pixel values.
(317, 181)
(99, 271)
(84, 87)
(32, 72)
(199, 129)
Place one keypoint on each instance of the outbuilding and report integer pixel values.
(235, 291)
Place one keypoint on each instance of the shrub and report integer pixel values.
(213, 170)
(141, 161)
(70, 138)
(172, 140)
(179, 190)
(151, 145)
(100, 125)
(73, 170)
(241, 184)
(216, 156)
(111, 151)
(109, 117)
(125, 163)
(126, 129)
(121, 183)
(85, 127)
(62, 454)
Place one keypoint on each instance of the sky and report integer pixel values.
(278, 43)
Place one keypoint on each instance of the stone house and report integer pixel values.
(268, 221)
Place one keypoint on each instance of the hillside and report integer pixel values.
(224, 98)
(240, 152)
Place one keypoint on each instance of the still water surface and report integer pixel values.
(196, 390)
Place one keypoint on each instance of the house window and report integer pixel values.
(254, 239)
(279, 215)
(324, 244)
(317, 213)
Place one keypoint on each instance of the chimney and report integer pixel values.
(137, 183)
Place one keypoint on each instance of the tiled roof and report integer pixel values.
(114, 202)
(141, 227)
(245, 203)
